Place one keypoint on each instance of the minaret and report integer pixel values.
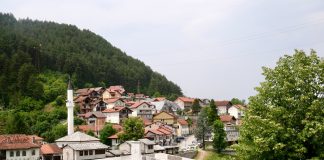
(70, 106)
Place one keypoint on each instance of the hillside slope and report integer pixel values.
(29, 48)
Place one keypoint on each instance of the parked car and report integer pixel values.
(179, 139)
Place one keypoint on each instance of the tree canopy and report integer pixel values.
(195, 106)
(285, 120)
(29, 48)
(133, 129)
(203, 129)
(106, 132)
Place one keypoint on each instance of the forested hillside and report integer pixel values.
(36, 57)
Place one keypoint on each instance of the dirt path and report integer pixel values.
(201, 154)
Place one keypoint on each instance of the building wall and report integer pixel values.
(125, 147)
(179, 103)
(233, 111)
(221, 110)
(183, 130)
(28, 156)
(68, 154)
(164, 117)
(112, 117)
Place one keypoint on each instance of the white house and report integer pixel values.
(222, 107)
(117, 114)
(76, 137)
(183, 128)
(184, 102)
(113, 102)
(143, 109)
(146, 146)
(84, 151)
(19, 146)
(237, 111)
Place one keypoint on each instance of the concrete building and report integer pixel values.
(83, 151)
(18, 146)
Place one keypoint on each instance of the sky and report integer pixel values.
(210, 48)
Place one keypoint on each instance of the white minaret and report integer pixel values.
(70, 106)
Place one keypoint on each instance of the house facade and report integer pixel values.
(183, 128)
(143, 109)
(184, 102)
(222, 107)
(117, 114)
(84, 151)
(18, 146)
(164, 117)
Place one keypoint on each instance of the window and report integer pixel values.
(85, 153)
(81, 153)
(33, 152)
(150, 146)
(23, 153)
(90, 152)
(17, 153)
(100, 151)
(11, 153)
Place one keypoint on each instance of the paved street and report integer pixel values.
(187, 141)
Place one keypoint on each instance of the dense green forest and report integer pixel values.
(29, 48)
(36, 58)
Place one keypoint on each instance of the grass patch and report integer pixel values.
(217, 156)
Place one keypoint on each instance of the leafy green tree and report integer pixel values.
(212, 112)
(16, 124)
(79, 121)
(237, 101)
(219, 141)
(28, 104)
(195, 106)
(56, 132)
(156, 94)
(285, 119)
(133, 129)
(106, 132)
(203, 129)
(91, 133)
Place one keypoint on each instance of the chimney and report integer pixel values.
(136, 150)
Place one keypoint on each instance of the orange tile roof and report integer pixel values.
(115, 136)
(137, 104)
(186, 99)
(226, 118)
(182, 122)
(146, 121)
(115, 109)
(17, 141)
(50, 149)
(222, 103)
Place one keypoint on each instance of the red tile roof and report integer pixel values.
(226, 118)
(115, 136)
(222, 103)
(17, 141)
(137, 104)
(182, 122)
(186, 99)
(50, 149)
(117, 88)
(146, 121)
(157, 99)
(115, 109)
